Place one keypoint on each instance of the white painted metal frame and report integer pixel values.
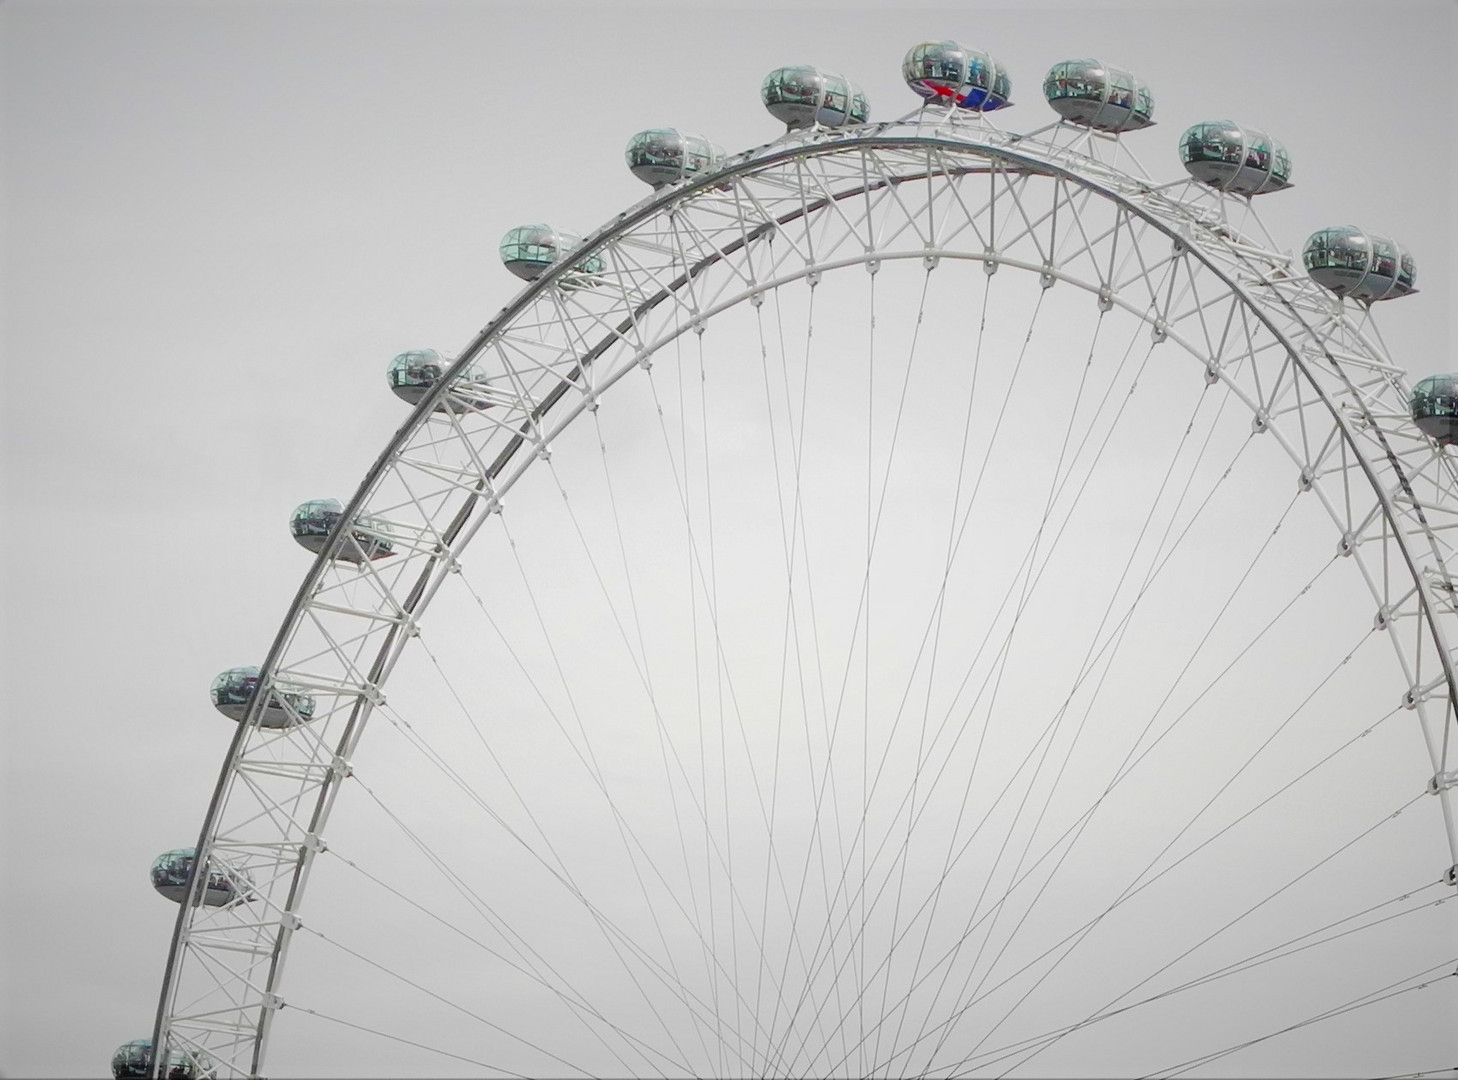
(1311, 370)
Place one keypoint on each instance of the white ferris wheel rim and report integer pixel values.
(1339, 354)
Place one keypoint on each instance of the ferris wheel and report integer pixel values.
(940, 601)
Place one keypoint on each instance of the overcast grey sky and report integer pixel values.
(221, 220)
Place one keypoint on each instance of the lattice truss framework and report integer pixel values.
(1311, 370)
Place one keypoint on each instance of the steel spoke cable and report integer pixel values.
(457, 1006)
(719, 684)
(704, 586)
(939, 609)
(1127, 768)
(1134, 887)
(665, 738)
(790, 626)
(799, 531)
(855, 632)
(568, 994)
(639, 671)
(1290, 947)
(1271, 896)
(613, 934)
(1000, 666)
(1092, 657)
(1386, 993)
(406, 1042)
(1026, 559)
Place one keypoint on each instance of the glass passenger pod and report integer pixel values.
(233, 689)
(412, 374)
(225, 884)
(662, 156)
(133, 1060)
(1095, 95)
(1352, 263)
(313, 521)
(1227, 156)
(801, 97)
(948, 73)
(1434, 408)
(530, 250)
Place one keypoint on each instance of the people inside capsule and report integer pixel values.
(133, 1061)
(1434, 408)
(233, 689)
(411, 375)
(1352, 263)
(801, 97)
(171, 869)
(1227, 156)
(528, 251)
(949, 73)
(1095, 95)
(662, 156)
(313, 521)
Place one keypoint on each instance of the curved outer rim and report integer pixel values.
(1005, 152)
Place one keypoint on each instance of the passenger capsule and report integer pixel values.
(225, 884)
(530, 250)
(1232, 158)
(413, 373)
(800, 97)
(945, 72)
(233, 689)
(1434, 406)
(1092, 94)
(1352, 263)
(313, 521)
(665, 155)
(133, 1060)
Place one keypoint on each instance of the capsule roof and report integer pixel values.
(801, 97)
(232, 690)
(1352, 263)
(662, 156)
(1227, 156)
(411, 375)
(313, 521)
(1434, 408)
(528, 251)
(1098, 96)
(171, 869)
(950, 73)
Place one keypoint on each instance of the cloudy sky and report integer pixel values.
(222, 219)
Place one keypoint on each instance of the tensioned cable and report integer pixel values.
(1281, 951)
(1025, 561)
(1119, 778)
(1372, 998)
(574, 1000)
(565, 875)
(939, 608)
(665, 738)
(1133, 887)
(445, 1001)
(1091, 659)
(604, 923)
(404, 1041)
(796, 534)
(1006, 651)
(1271, 896)
(790, 625)
(658, 721)
(855, 631)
